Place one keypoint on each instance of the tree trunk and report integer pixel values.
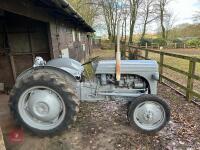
(162, 21)
(143, 32)
(125, 30)
(122, 31)
(146, 20)
(133, 9)
(131, 31)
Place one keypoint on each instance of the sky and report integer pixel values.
(183, 11)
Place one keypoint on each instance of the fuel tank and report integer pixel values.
(127, 66)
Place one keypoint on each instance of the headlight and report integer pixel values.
(155, 76)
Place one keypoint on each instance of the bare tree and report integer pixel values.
(148, 14)
(124, 17)
(196, 16)
(111, 10)
(134, 7)
(169, 23)
(161, 7)
(87, 8)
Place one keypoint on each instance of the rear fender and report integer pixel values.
(54, 69)
(69, 65)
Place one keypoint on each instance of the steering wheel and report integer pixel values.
(91, 60)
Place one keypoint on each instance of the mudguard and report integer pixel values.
(65, 66)
(71, 66)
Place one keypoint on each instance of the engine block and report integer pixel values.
(126, 81)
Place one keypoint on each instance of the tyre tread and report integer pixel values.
(59, 81)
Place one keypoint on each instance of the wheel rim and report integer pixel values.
(41, 108)
(149, 115)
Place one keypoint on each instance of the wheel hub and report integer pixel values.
(44, 105)
(42, 108)
(149, 115)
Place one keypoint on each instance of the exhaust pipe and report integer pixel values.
(118, 54)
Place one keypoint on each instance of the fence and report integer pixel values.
(168, 46)
(191, 76)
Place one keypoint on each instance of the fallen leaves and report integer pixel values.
(104, 125)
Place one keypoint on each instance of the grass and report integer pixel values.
(104, 54)
(179, 63)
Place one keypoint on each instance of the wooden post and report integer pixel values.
(30, 45)
(13, 67)
(175, 45)
(158, 46)
(190, 80)
(184, 46)
(146, 54)
(118, 54)
(129, 51)
(146, 45)
(12, 61)
(127, 54)
(136, 53)
(161, 65)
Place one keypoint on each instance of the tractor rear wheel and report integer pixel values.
(44, 102)
(148, 114)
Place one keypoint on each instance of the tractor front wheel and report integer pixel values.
(148, 114)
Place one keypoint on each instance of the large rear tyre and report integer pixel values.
(148, 114)
(44, 102)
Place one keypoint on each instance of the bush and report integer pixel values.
(178, 41)
(144, 41)
(193, 42)
(160, 41)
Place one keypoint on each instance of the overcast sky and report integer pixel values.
(183, 10)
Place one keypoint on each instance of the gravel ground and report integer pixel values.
(104, 126)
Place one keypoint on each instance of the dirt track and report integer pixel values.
(103, 126)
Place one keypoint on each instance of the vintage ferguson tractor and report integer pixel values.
(46, 97)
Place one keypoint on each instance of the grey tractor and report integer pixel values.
(46, 97)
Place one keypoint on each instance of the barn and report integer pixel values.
(47, 28)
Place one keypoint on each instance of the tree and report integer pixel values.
(87, 8)
(185, 30)
(196, 16)
(134, 7)
(147, 14)
(111, 12)
(124, 17)
(169, 23)
(161, 8)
